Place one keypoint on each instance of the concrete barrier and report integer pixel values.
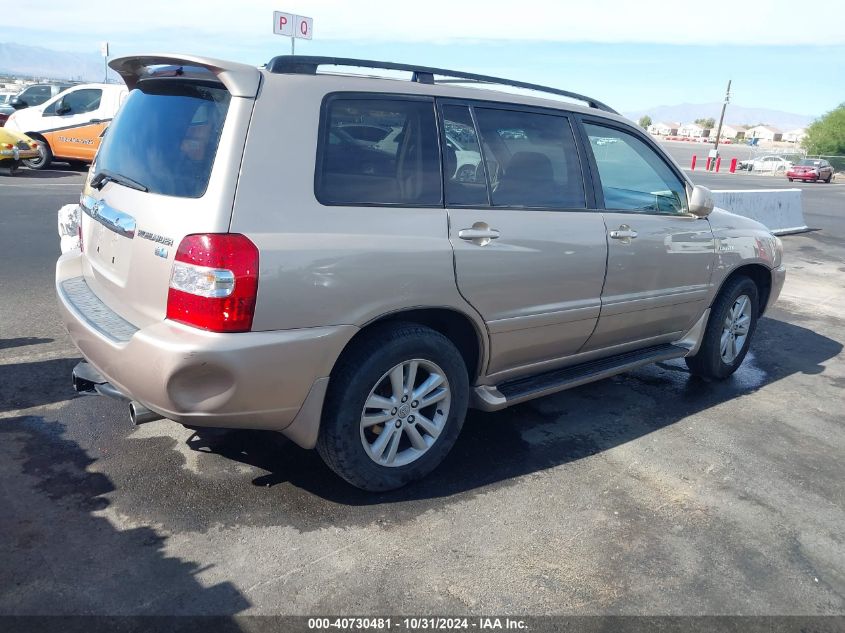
(780, 210)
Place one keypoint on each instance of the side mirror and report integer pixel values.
(62, 110)
(18, 104)
(700, 201)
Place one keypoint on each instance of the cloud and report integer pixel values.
(774, 22)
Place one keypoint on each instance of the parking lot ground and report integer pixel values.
(649, 493)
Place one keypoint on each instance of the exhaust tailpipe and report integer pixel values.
(139, 414)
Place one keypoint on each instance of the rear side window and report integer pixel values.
(165, 136)
(379, 151)
(633, 177)
(531, 159)
(463, 170)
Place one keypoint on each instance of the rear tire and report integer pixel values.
(790, 179)
(732, 322)
(45, 158)
(373, 381)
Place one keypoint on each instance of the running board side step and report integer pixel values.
(519, 390)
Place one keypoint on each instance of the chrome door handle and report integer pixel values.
(479, 234)
(624, 233)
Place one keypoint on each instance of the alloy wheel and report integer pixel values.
(405, 412)
(735, 329)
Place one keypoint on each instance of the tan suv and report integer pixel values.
(353, 261)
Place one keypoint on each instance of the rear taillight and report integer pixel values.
(214, 282)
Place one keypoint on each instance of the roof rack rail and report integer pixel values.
(307, 65)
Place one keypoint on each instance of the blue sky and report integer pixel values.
(630, 59)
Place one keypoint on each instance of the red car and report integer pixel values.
(814, 169)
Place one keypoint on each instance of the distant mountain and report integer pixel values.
(34, 61)
(735, 114)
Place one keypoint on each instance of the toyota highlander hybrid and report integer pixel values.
(354, 261)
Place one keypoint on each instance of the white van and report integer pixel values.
(69, 126)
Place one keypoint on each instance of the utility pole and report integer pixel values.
(722, 116)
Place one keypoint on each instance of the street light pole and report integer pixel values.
(722, 116)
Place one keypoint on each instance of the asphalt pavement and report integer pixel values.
(649, 493)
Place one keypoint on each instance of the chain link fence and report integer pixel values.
(837, 162)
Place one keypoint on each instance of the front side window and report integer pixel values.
(76, 102)
(531, 159)
(379, 151)
(633, 176)
(36, 95)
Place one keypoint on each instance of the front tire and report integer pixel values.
(733, 320)
(395, 406)
(45, 156)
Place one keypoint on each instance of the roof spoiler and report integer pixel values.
(241, 80)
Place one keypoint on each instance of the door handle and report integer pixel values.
(623, 233)
(479, 234)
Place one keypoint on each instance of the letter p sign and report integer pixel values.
(283, 23)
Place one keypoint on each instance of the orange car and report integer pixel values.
(68, 127)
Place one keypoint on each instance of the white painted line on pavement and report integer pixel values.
(46, 184)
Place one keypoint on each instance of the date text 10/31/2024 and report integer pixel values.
(417, 624)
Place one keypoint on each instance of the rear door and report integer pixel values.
(660, 258)
(529, 252)
(167, 168)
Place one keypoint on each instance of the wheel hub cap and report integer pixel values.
(735, 329)
(390, 435)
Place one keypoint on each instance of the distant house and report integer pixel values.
(692, 130)
(764, 133)
(796, 135)
(664, 129)
(733, 131)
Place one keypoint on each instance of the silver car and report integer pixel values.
(246, 261)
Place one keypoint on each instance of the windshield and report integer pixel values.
(165, 136)
(810, 163)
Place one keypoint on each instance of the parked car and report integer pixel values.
(15, 147)
(811, 169)
(36, 94)
(769, 164)
(5, 107)
(240, 265)
(69, 126)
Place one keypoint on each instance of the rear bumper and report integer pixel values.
(248, 380)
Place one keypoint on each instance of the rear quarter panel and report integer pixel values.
(330, 265)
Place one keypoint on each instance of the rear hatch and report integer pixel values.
(167, 168)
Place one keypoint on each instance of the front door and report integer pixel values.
(75, 123)
(529, 255)
(660, 257)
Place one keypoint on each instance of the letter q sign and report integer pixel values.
(304, 27)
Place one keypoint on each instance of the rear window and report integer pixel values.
(165, 136)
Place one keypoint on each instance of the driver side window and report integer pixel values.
(633, 176)
(76, 102)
